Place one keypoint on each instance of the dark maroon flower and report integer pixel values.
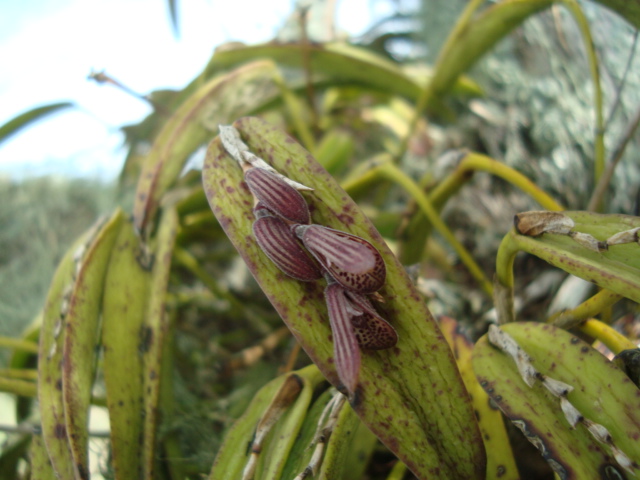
(352, 261)
(277, 241)
(355, 324)
(372, 331)
(346, 353)
(276, 195)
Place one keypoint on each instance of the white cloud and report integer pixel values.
(48, 49)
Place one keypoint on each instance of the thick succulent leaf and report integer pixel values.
(342, 63)
(501, 463)
(349, 448)
(410, 396)
(81, 326)
(155, 329)
(284, 434)
(220, 100)
(601, 392)
(125, 299)
(50, 398)
(39, 461)
(303, 447)
(235, 453)
(616, 269)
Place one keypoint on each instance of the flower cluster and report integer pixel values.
(308, 252)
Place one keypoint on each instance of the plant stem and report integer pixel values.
(475, 161)
(616, 342)
(587, 309)
(393, 173)
(20, 345)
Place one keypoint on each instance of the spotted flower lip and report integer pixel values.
(355, 324)
(277, 241)
(352, 261)
(277, 196)
(372, 331)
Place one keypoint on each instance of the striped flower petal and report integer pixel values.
(276, 240)
(276, 195)
(345, 345)
(352, 261)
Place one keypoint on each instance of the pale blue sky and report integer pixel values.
(48, 47)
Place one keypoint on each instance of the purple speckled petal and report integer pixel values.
(372, 331)
(276, 195)
(352, 261)
(283, 248)
(345, 345)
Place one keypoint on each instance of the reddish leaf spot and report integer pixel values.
(59, 431)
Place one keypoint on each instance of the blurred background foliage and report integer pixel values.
(40, 219)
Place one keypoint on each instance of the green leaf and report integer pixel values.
(616, 269)
(220, 100)
(341, 63)
(283, 437)
(25, 119)
(411, 396)
(601, 392)
(468, 44)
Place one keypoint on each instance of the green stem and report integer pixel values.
(23, 388)
(393, 173)
(475, 161)
(616, 342)
(19, 373)
(504, 280)
(416, 233)
(398, 471)
(587, 309)
(18, 344)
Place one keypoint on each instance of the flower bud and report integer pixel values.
(355, 324)
(277, 241)
(352, 261)
(276, 195)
